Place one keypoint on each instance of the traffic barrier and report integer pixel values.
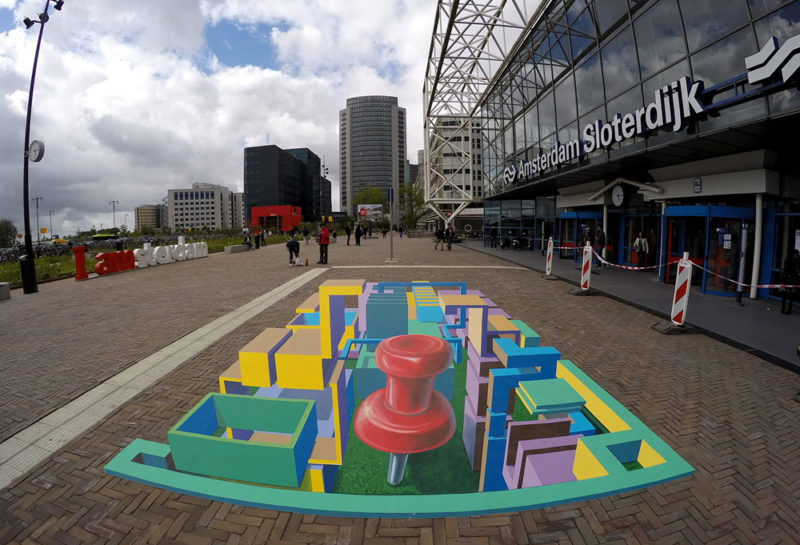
(680, 300)
(548, 265)
(586, 268)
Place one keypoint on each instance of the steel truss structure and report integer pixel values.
(470, 45)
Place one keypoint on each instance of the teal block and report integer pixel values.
(552, 395)
(386, 315)
(196, 449)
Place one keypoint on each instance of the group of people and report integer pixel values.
(443, 236)
(323, 239)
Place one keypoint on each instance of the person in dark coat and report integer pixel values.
(347, 232)
(294, 250)
(359, 232)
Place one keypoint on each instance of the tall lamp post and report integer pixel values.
(51, 224)
(28, 265)
(114, 212)
(38, 229)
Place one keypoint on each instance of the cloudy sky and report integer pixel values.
(134, 98)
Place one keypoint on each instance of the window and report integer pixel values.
(659, 37)
(620, 68)
(588, 83)
(566, 111)
(610, 14)
(710, 19)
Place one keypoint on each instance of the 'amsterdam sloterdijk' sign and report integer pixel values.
(672, 105)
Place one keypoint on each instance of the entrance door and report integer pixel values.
(685, 235)
(724, 246)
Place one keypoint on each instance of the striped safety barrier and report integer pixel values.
(680, 300)
(586, 268)
(548, 264)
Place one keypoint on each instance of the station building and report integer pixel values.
(673, 118)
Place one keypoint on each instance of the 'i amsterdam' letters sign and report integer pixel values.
(672, 106)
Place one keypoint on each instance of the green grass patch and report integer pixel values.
(632, 466)
(47, 268)
(439, 471)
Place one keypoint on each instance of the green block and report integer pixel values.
(280, 432)
(551, 395)
(529, 337)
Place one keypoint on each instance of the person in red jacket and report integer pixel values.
(324, 239)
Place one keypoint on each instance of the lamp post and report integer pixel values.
(113, 213)
(51, 224)
(27, 265)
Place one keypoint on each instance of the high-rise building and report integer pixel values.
(372, 149)
(204, 206)
(148, 216)
(274, 177)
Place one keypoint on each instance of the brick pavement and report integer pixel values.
(727, 413)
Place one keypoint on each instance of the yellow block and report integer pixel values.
(328, 289)
(232, 374)
(648, 456)
(298, 363)
(328, 450)
(600, 410)
(412, 306)
(309, 305)
(501, 323)
(474, 329)
(586, 465)
(254, 358)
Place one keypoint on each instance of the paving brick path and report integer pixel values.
(729, 414)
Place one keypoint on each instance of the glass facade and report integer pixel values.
(589, 60)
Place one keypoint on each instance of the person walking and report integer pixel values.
(324, 240)
(439, 236)
(347, 232)
(448, 237)
(400, 230)
(641, 248)
(493, 237)
(305, 234)
(359, 232)
(601, 247)
(790, 275)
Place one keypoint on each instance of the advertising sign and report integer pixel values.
(370, 211)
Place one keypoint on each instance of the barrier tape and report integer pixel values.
(777, 286)
(631, 267)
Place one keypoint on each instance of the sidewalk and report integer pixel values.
(757, 326)
(135, 351)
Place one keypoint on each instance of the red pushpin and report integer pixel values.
(407, 416)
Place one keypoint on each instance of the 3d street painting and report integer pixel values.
(423, 399)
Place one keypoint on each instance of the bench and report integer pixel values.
(236, 248)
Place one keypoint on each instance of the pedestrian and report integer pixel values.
(400, 230)
(358, 233)
(369, 230)
(448, 237)
(790, 276)
(324, 239)
(333, 235)
(601, 247)
(641, 248)
(384, 231)
(305, 234)
(347, 229)
(493, 236)
(294, 250)
(439, 237)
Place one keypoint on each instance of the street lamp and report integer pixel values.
(51, 224)
(28, 265)
(38, 229)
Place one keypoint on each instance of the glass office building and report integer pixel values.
(689, 107)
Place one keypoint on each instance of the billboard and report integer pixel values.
(370, 211)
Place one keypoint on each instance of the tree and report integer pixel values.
(8, 233)
(415, 203)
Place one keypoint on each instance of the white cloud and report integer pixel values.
(129, 102)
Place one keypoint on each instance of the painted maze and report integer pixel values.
(419, 399)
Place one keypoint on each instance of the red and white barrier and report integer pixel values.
(680, 300)
(586, 269)
(548, 264)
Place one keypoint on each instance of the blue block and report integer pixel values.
(580, 425)
(545, 357)
(496, 423)
(431, 313)
(492, 471)
(386, 315)
(501, 382)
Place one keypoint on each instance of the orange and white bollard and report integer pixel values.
(548, 264)
(680, 300)
(586, 269)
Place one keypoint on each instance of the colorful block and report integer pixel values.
(257, 358)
